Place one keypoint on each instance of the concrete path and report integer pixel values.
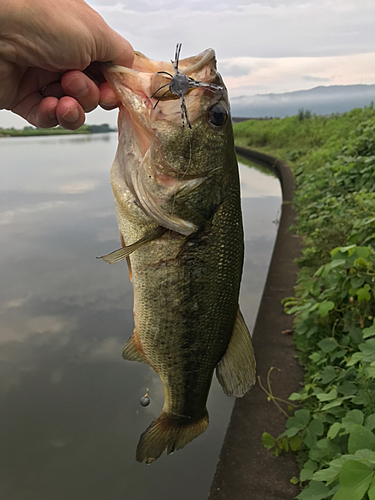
(246, 470)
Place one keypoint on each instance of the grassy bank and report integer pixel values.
(333, 160)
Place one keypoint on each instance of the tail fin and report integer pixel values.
(166, 433)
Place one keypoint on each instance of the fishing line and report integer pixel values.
(145, 401)
(190, 157)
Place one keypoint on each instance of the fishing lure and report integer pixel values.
(179, 84)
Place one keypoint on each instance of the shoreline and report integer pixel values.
(38, 132)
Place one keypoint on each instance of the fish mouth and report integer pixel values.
(151, 113)
(145, 90)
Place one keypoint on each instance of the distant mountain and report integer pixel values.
(319, 100)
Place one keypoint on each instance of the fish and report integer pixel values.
(176, 190)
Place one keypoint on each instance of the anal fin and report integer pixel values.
(131, 351)
(236, 369)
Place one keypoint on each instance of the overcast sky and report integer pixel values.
(261, 47)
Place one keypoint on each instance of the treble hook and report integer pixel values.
(180, 84)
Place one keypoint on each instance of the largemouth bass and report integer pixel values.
(177, 197)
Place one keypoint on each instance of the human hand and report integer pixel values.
(49, 54)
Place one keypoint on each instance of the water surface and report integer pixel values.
(70, 416)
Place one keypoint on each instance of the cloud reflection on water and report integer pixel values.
(69, 404)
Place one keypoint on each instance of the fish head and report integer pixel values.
(174, 128)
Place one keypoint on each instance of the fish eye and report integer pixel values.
(217, 115)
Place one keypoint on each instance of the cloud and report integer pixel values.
(322, 100)
(43, 329)
(253, 185)
(14, 303)
(309, 78)
(227, 69)
(45, 323)
(288, 73)
(108, 349)
(78, 187)
(262, 47)
(9, 216)
(260, 29)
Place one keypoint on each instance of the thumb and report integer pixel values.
(113, 47)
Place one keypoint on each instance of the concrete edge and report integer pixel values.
(246, 470)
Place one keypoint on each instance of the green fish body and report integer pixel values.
(178, 208)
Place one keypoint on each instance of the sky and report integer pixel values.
(262, 47)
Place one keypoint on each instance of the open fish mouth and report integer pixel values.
(180, 83)
(166, 109)
(155, 90)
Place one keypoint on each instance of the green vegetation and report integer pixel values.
(291, 138)
(304, 115)
(31, 131)
(333, 160)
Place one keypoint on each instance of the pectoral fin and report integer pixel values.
(122, 253)
(236, 369)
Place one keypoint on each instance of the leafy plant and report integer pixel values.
(333, 160)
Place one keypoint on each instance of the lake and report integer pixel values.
(70, 415)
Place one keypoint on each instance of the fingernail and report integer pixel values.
(51, 113)
(109, 102)
(71, 116)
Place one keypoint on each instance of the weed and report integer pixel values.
(333, 160)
